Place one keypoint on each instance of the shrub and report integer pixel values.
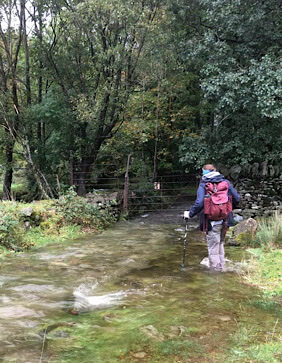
(9, 231)
(80, 211)
(269, 232)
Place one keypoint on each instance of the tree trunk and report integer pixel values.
(155, 170)
(82, 174)
(8, 177)
(126, 185)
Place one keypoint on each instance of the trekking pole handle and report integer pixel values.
(186, 215)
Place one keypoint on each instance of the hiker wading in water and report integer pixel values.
(215, 198)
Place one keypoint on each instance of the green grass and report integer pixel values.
(269, 232)
(249, 344)
(265, 270)
(38, 238)
(244, 350)
(266, 259)
(121, 338)
(24, 225)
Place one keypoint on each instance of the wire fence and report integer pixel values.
(145, 194)
(140, 193)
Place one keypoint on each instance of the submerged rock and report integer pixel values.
(139, 355)
(152, 333)
(175, 331)
(224, 318)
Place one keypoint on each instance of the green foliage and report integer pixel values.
(234, 47)
(194, 152)
(197, 81)
(78, 210)
(9, 231)
(49, 233)
(51, 220)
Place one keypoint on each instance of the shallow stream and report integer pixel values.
(121, 296)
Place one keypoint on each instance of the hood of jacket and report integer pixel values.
(213, 177)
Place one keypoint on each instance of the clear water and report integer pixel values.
(123, 281)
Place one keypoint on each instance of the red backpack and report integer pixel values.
(217, 202)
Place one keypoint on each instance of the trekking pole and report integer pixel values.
(185, 244)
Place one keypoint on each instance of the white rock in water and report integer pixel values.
(205, 262)
(145, 215)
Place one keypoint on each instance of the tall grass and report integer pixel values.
(269, 232)
(266, 261)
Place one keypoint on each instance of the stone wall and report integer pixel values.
(259, 197)
(255, 171)
(260, 187)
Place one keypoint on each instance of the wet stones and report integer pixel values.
(27, 212)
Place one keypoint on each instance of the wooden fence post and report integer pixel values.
(126, 186)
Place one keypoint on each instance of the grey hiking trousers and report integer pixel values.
(215, 242)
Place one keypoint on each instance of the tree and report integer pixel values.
(11, 42)
(16, 92)
(237, 49)
(92, 50)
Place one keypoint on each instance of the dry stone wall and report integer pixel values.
(260, 187)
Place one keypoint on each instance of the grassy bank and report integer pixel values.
(23, 226)
(266, 257)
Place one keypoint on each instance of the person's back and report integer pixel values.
(215, 228)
